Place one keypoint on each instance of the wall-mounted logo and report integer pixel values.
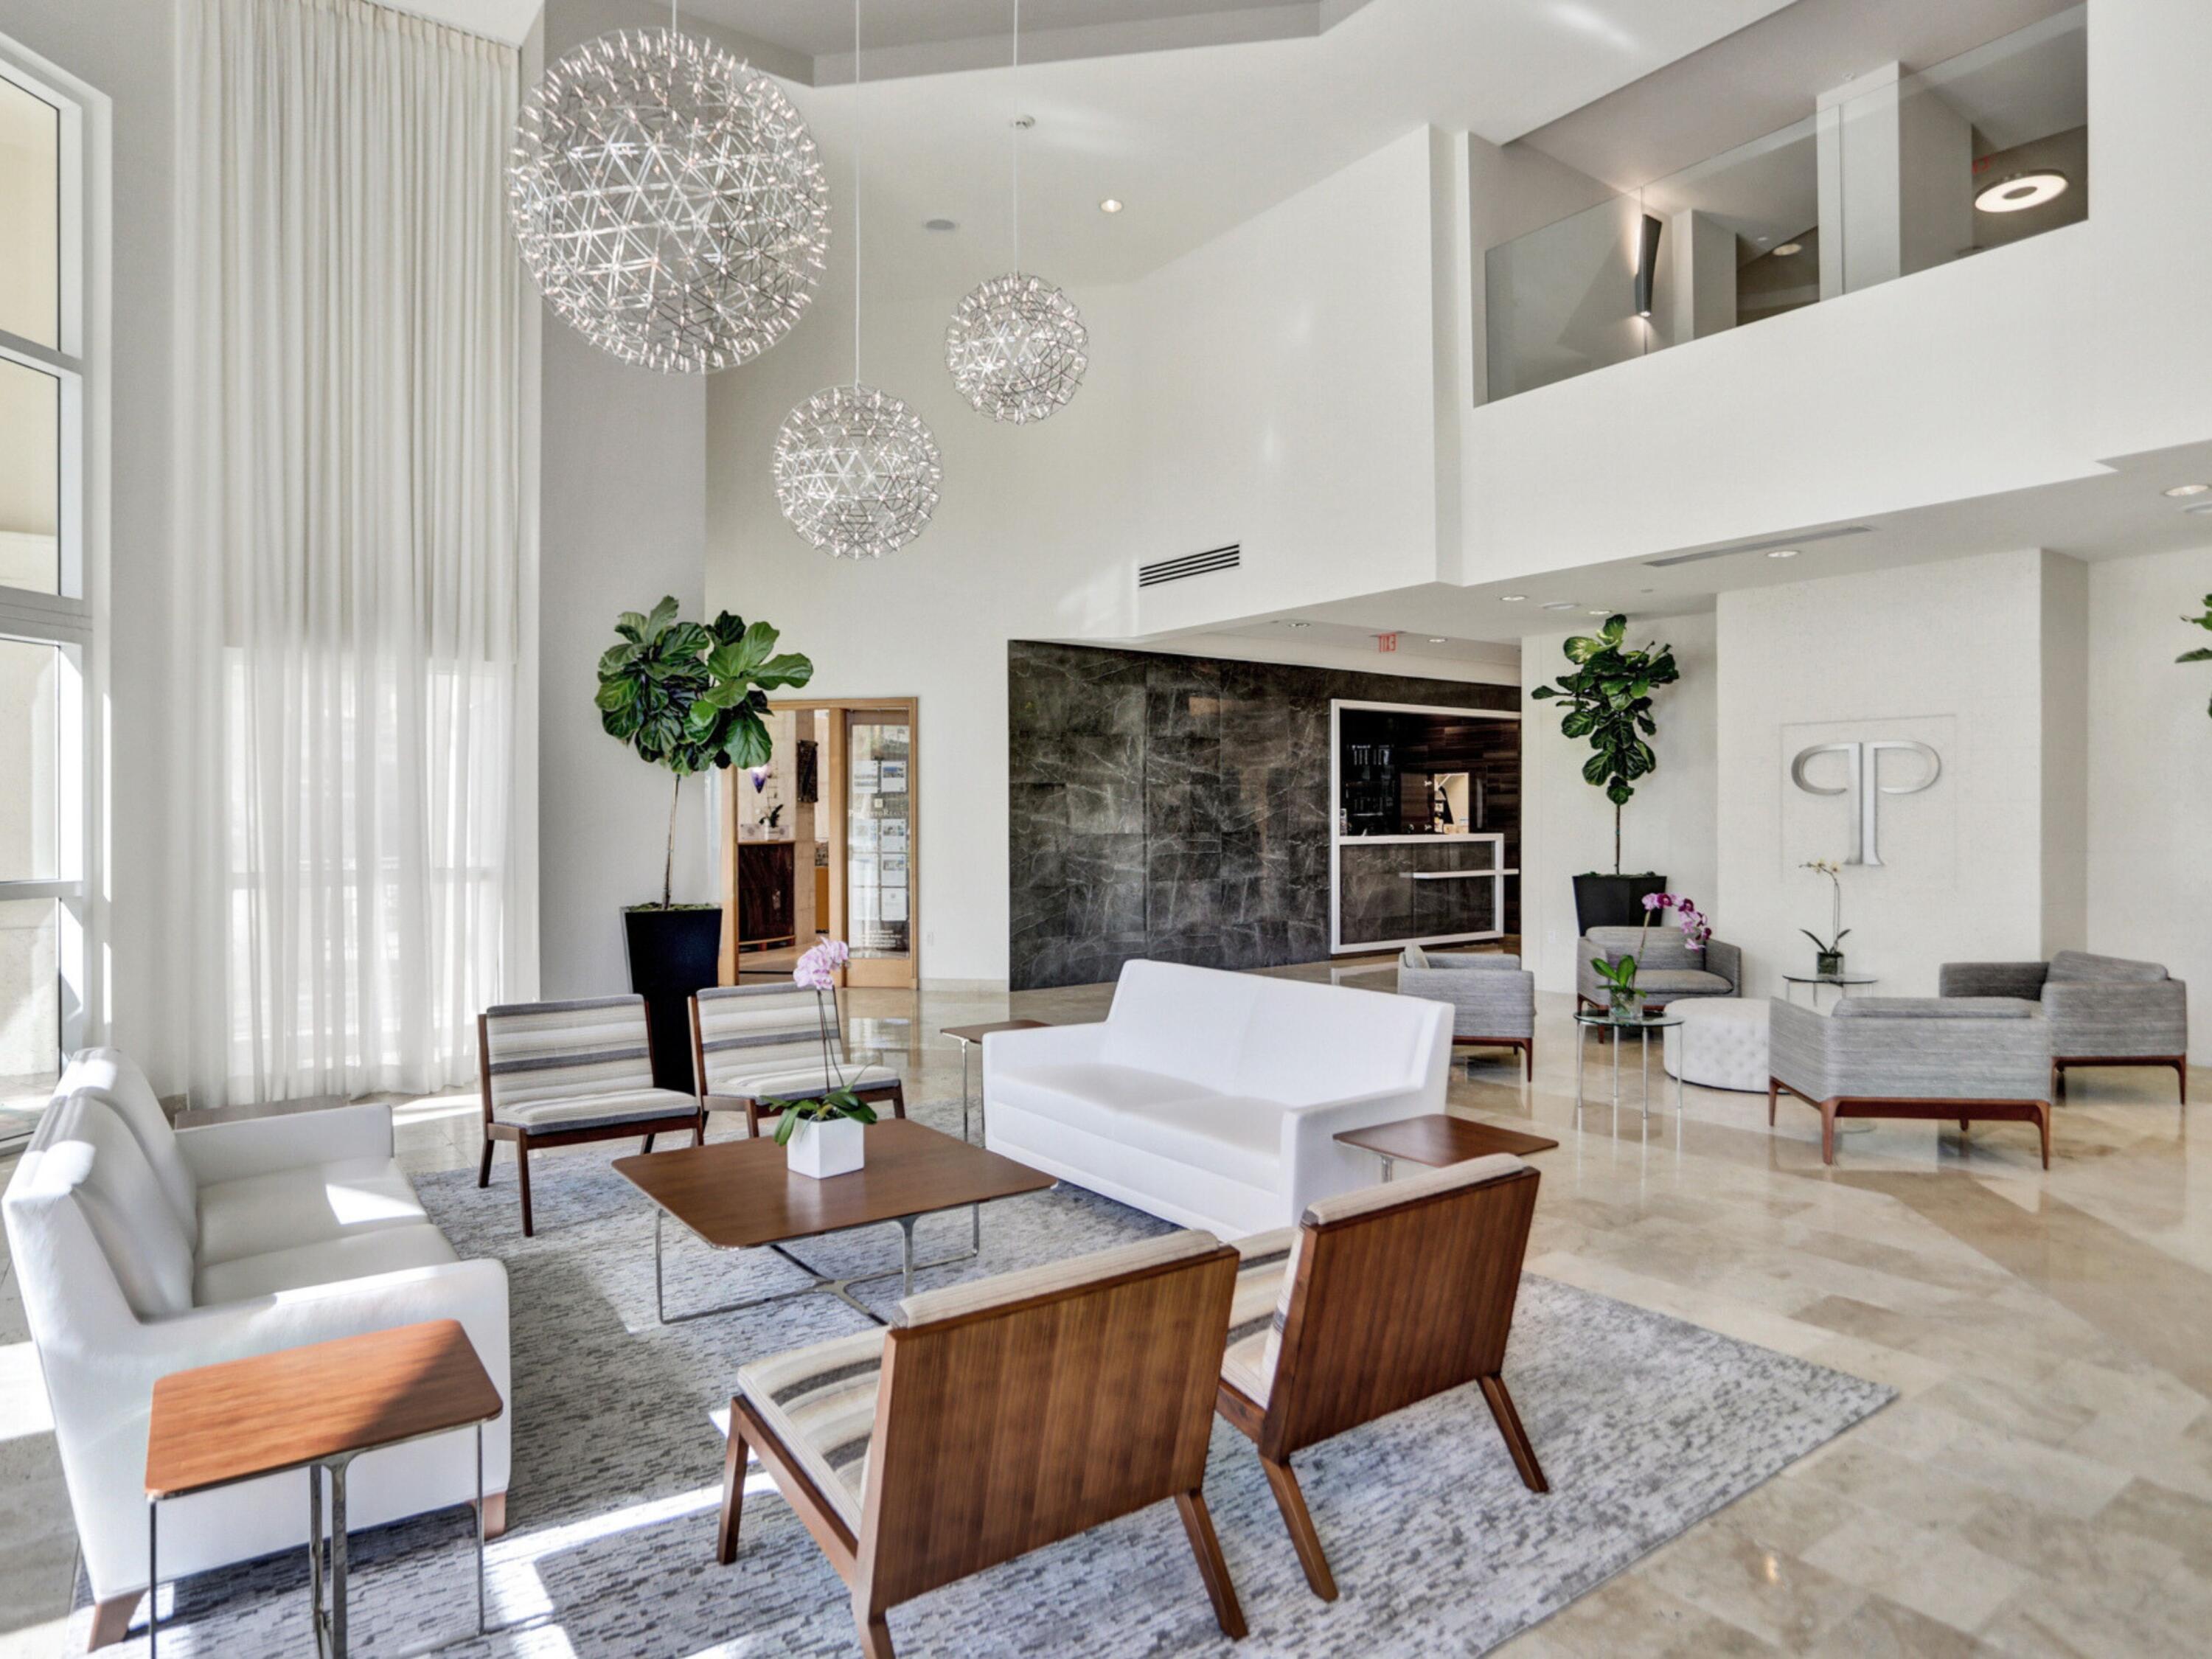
(1865, 786)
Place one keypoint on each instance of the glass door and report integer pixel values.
(880, 916)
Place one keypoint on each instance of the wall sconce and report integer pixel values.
(1647, 264)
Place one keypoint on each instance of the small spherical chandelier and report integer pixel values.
(1016, 348)
(856, 473)
(668, 200)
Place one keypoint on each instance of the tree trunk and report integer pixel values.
(1616, 838)
(668, 869)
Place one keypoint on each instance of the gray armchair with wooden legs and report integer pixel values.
(996, 1417)
(555, 1074)
(1376, 1300)
(755, 1047)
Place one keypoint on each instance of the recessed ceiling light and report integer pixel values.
(1438, 639)
(1782, 553)
(1111, 204)
(936, 224)
(1512, 598)
(1601, 613)
(1298, 624)
(2206, 508)
(1561, 604)
(1789, 248)
(2187, 489)
(2020, 190)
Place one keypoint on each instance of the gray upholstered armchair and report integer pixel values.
(1493, 998)
(1939, 1058)
(1668, 966)
(2104, 1011)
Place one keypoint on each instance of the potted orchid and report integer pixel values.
(1620, 977)
(821, 1137)
(1828, 953)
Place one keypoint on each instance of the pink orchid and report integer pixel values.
(816, 970)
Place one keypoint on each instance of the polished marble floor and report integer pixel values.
(2044, 1487)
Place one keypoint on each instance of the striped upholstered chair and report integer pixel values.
(1027, 1408)
(1377, 1299)
(554, 1073)
(754, 1047)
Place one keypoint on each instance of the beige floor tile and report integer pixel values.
(1879, 1628)
(1930, 1570)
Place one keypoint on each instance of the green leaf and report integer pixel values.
(631, 626)
(790, 1122)
(1542, 693)
(1580, 648)
(749, 743)
(617, 694)
(663, 614)
(790, 668)
(1615, 627)
(2203, 655)
(700, 721)
(1618, 792)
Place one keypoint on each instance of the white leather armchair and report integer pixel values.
(141, 1250)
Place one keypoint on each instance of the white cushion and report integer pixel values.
(111, 1075)
(91, 1151)
(1720, 1044)
(1231, 1135)
(781, 1079)
(1047, 1088)
(354, 1256)
(287, 1208)
(1307, 1043)
(1186, 1022)
(575, 1111)
(821, 1402)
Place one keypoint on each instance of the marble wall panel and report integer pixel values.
(1176, 807)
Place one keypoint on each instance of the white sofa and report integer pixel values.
(1212, 1099)
(142, 1250)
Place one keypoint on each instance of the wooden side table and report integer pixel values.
(970, 1037)
(1437, 1140)
(315, 1409)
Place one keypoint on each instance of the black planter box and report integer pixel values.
(672, 953)
(1613, 901)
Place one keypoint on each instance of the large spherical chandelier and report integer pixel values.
(1016, 348)
(668, 200)
(856, 473)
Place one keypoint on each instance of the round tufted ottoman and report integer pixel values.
(1720, 1044)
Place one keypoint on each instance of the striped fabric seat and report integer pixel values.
(765, 1043)
(821, 1402)
(1003, 1290)
(573, 1065)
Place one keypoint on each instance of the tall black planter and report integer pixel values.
(1613, 901)
(672, 953)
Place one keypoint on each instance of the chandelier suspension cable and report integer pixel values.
(856, 192)
(1015, 79)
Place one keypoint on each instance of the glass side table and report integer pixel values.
(1844, 983)
(1604, 1019)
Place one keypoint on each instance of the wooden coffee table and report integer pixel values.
(1438, 1140)
(969, 1037)
(739, 1195)
(315, 1409)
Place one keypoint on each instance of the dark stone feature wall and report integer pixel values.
(1176, 807)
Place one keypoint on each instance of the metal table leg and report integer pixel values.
(1616, 1071)
(1644, 1042)
(1582, 1053)
(1389, 1166)
(964, 1046)
(906, 1254)
(338, 1615)
(153, 1574)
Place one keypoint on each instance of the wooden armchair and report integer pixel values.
(755, 1047)
(1377, 1299)
(995, 1417)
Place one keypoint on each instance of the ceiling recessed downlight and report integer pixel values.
(2020, 191)
(2180, 490)
(1438, 639)
(2205, 508)
(1783, 553)
(1111, 204)
(1601, 613)
(1298, 624)
(1561, 604)
(1512, 598)
(1789, 248)
(938, 224)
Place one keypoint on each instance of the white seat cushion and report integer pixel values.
(352, 1255)
(111, 1074)
(1720, 1044)
(1255, 1314)
(287, 1208)
(1230, 1135)
(586, 1111)
(781, 1081)
(820, 1401)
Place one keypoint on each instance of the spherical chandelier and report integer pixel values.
(856, 473)
(1016, 343)
(1016, 348)
(668, 200)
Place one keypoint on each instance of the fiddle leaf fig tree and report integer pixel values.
(2203, 652)
(688, 695)
(1609, 701)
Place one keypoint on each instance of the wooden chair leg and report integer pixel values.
(647, 1146)
(1303, 1538)
(875, 1633)
(522, 1171)
(483, 1168)
(1198, 1522)
(1528, 1050)
(2043, 1123)
(699, 1129)
(733, 1490)
(495, 1514)
(753, 1119)
(898, 1098)
(1827, 1131)
(2181, 1071)
(2058, 1082)
(1773, 1092)
(1516, 1437)
(111, 1620)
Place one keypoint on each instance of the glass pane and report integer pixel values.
(30, 477)
(30, 216)
(30, 1011)
(879, 817)
(30, 756)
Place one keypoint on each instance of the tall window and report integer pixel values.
(45, 618)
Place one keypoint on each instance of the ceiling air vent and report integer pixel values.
(1190, 564)
(1804, 538)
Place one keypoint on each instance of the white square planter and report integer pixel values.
(828, 1148)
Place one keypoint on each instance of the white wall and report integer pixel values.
(1567, 825)
(1946, 654)
(2150, 772)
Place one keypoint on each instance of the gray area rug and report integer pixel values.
(1643, 1424)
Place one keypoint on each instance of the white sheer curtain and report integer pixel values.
(354, 545)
